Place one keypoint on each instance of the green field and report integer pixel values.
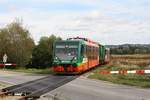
(126, 62)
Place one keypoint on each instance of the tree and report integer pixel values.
(130, 49)
(42, 53)
(16, 42)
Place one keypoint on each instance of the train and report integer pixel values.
(77, 55)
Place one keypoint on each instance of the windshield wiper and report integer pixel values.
(72, 58)
(58, 58)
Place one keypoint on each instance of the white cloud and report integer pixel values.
(94, 24)
(3, 1)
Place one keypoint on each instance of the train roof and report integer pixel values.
(83, 40)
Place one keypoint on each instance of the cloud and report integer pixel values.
(112, 24)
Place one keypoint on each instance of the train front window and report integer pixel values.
(66, 52)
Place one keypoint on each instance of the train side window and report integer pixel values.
(82, 50)
(90, 52)
(94, 52)
(87, 51)
(85, 55)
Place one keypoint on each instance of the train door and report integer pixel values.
(84, 56)
(88, 56)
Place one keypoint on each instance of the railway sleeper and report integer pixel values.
(31, 98)
(18, 93)
(22, 95)
(19, 96)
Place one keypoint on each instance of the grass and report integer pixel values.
(126, 62)
(32, 70)
(129, 79)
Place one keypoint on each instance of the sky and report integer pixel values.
(104, 21)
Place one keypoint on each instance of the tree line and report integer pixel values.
(130, 49)
(17, 43)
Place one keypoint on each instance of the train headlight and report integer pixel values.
(75, 58)
(56, 58)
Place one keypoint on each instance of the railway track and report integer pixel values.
(32, 90)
